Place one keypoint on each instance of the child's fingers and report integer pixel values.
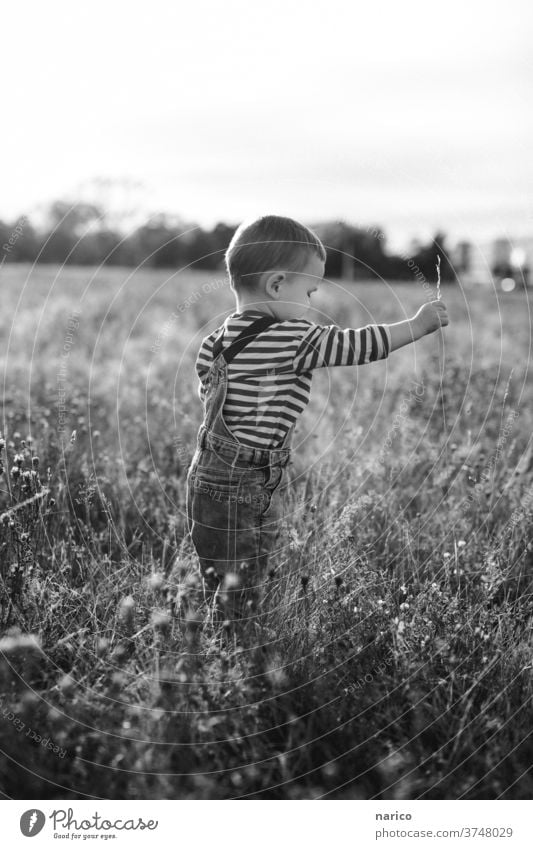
(442, 312)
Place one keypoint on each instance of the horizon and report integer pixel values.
(375, 119)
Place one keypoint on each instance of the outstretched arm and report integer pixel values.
(322, 347)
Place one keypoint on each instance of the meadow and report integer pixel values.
(394, 658)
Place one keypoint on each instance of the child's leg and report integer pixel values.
(233, 518)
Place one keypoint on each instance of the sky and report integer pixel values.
(412, 116)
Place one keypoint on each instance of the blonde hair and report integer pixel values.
(266, 243)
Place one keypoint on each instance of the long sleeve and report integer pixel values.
(322, 347)
(202, 365)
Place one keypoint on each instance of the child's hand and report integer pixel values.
(431, 316)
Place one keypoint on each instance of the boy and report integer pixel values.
(255, 376)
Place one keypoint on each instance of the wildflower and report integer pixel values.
(275, 673)
(67, 685)
(118, 680)
(102, 645)
(461, 543)
(231, 581)
(156, 581)
(161, 621)
(446, 555)
(193, 620)
(126, 608)
(119, 653)
(19, 643)
(35, 462)
(2, 443)
(18, 459)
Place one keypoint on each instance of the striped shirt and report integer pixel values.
(269, 381)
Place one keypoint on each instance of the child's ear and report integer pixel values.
(273, 284)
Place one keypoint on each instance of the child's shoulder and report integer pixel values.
(297, 328)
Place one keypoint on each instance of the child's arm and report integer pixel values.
(429, 317)
(322, 347)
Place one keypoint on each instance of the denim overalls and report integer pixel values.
(233, 497)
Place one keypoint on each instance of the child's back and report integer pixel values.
(269, 382)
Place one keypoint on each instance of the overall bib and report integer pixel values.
(233, 497)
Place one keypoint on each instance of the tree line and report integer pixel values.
(81, 235)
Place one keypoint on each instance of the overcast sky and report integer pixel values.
(409, 114)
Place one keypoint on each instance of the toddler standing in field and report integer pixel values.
(255, 376)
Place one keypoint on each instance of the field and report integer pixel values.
(395, 656)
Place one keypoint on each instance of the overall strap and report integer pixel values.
(244, 338)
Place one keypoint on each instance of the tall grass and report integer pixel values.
(393, 657)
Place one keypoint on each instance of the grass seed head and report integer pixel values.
(126, 609)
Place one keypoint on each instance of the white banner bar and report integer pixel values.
(264, 824)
